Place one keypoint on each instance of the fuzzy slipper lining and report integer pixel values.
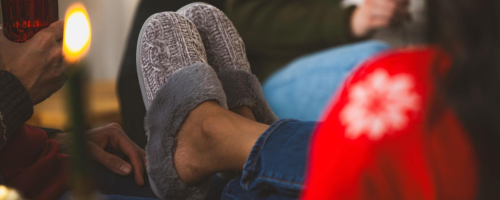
(183, 92)
(244, 89)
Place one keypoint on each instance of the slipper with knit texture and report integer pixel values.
(226, 54)
(175, 78)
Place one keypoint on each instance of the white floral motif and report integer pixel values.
(378, 105)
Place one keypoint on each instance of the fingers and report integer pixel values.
(51, 35)
(136, 158)
(120, 141)
(110, 161)
(48, 42)
(383, 8)
(143, 156)
(384, 4)
(57, 28)
(380, 22)
(388, 12)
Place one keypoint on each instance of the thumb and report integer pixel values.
(110, 161)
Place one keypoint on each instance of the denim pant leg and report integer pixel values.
(303, 89)
(276, 165)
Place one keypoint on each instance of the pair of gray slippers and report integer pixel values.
(185, 58)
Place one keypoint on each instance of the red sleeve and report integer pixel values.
(370, 145)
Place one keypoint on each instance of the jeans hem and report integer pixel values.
(251, 163)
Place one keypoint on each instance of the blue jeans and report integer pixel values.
(276, 165)
(303, 89)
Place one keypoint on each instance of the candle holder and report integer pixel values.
(76, 42)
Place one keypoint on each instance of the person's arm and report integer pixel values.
(15, 106)
(297, 24)
(311, 23)
(29, 73)
(371, 15)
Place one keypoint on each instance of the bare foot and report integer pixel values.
(213, 140)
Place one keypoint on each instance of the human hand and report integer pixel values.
(104, 141)
(375, 14)
(113, 138)
(37, 63)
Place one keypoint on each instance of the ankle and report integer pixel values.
(234, 136)
(244, 111)
(212, 125)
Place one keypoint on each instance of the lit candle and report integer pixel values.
(77, 33)
(76, 43)
(9, 194)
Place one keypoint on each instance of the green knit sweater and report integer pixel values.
(277, 31)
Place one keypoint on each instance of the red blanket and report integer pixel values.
(30, 162)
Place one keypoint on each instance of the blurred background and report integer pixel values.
(111, 21)
(115, 28)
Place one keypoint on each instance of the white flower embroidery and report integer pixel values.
(379, 104)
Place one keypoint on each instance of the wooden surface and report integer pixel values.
(102, 107)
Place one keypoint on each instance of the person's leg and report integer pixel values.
(303, 88)
(272, 158)
(276, 166)
(213, 139)
(191, 133)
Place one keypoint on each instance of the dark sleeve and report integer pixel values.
(15, 106)
(281, 30)
(291, 22)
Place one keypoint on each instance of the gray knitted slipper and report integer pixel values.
(226, 54)
(175, 80)
(167, 42)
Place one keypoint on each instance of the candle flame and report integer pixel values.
(77, 33)
(8, 194)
